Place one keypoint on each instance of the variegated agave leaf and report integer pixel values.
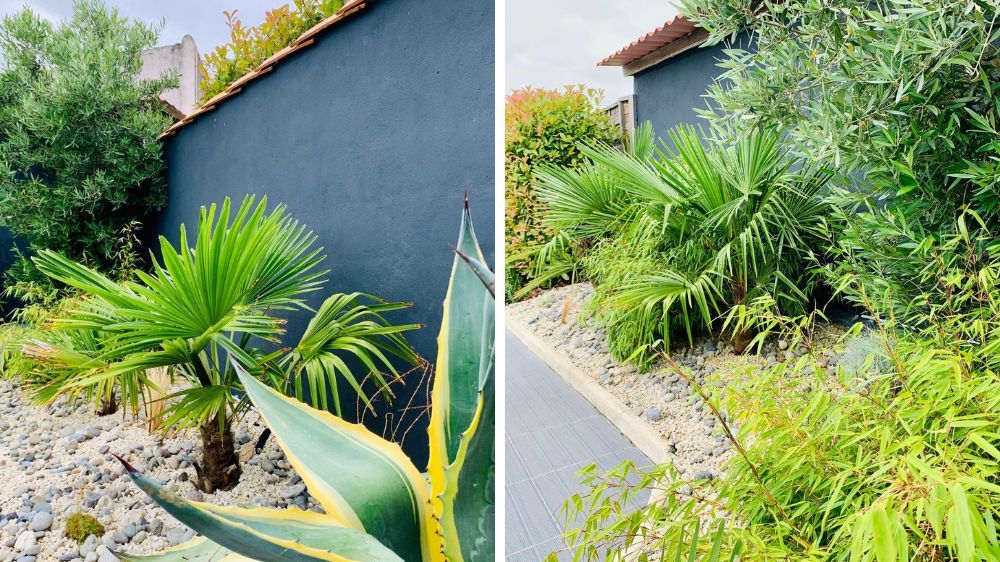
(378, 505)
(261, 534)
(462, 465)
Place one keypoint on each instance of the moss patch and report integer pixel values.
(80, 525)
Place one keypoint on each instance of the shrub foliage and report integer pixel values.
(543, 127)
(900, 97)
(79, 156)
(896, 460)
(248, 47)
(894, 456)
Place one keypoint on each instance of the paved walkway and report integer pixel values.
(552, 432)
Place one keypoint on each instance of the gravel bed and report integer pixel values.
(57, 460)
(695, 441)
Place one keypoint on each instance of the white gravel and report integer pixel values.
(695, 442)
(55, 461)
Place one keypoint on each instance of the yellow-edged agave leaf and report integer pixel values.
(482, 271)
(290, 535)
(462, 356)
(462, 415)
(198, 549)
(364, 480)
(468, 499)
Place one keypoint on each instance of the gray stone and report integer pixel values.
(24, 540)
(653, 414)
(292, 491)
(104, 554)
(176, 536)
(91, 500)
(41, 521)
(89, 545)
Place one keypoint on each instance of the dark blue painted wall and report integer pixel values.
(371, 137)
(668, 94)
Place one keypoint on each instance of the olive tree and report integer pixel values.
(79, 155)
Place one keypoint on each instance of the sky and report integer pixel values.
(550, 43)
(553, 43)
(202, 19)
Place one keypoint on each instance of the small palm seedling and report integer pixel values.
(378, 506)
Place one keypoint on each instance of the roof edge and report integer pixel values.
(675, 29)
(680, 45)
(303, 41)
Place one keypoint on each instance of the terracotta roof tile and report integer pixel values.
(303, 41)
(667, 33)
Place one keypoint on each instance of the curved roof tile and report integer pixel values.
(305, 40)
(667, 33)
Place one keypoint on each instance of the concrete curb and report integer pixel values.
(644, 437)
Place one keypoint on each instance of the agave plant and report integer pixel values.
(205, 303)
(720, 225)
(378, 506)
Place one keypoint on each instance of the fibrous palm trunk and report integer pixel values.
(221, 468)
(741, 340)
(107, 405)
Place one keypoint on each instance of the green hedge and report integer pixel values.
(543, 127)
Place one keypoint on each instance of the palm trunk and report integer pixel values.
(741, 341)
(107, 405)
(221, 467)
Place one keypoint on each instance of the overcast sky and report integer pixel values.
(552, 43)
(202, 19)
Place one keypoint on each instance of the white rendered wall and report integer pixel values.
(182, 57)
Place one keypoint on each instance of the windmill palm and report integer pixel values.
(201, 306)
(730, 222)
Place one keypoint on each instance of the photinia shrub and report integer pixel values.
(543, 127)
(250, 46)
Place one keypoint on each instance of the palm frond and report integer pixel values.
(347, 327)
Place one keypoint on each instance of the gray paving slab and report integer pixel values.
(551, 433)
